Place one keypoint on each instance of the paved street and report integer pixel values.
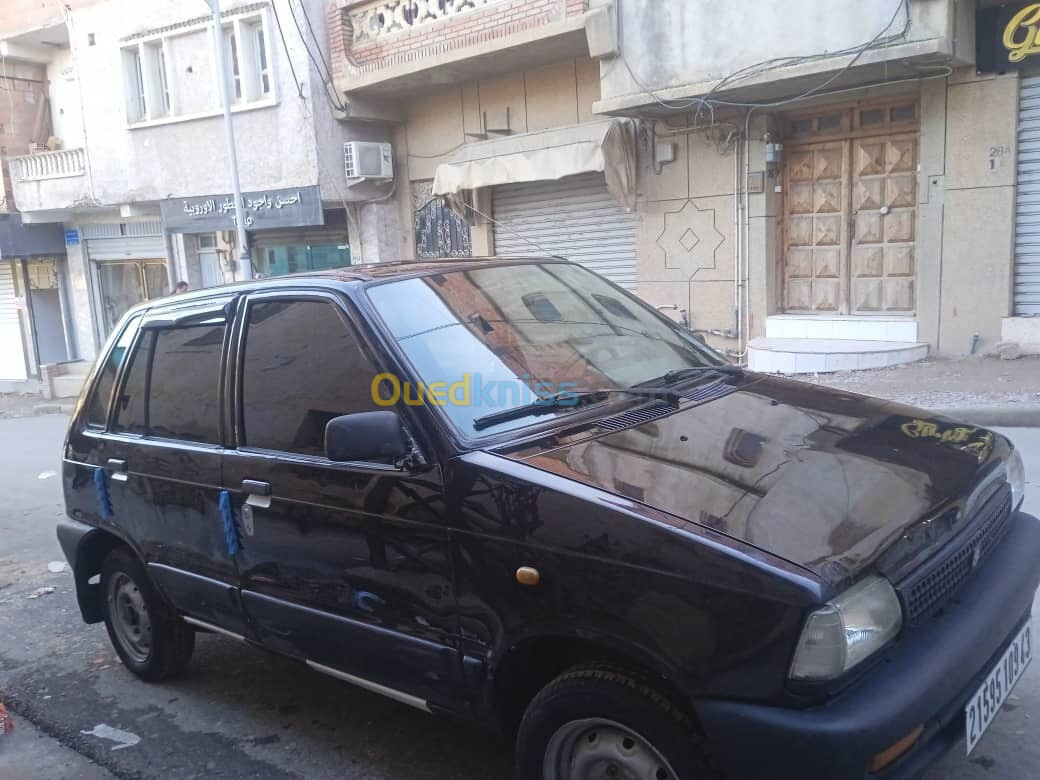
(241, 712)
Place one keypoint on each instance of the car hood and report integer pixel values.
(825, 479)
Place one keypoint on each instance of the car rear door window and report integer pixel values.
(302, 365)
(97, 407)
(130, 405)
(184, 397)
(171, 389)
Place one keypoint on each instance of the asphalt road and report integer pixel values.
(241, 712)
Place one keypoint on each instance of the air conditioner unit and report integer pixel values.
(368, 160)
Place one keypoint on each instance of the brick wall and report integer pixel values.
(20, 100)
(467, 29)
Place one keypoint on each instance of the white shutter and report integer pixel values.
(1027, 210)
(12, 355)
(127, 248)
(575, 218)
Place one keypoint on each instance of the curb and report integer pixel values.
(53, 408)
(1005, 416)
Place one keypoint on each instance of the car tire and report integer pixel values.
(591, 718)
(152, 642)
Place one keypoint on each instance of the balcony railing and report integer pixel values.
(49, 165)
(385, 17)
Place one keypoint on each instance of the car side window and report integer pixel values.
(97, 406)
(172, 386)
(130, 404)
(302, 365)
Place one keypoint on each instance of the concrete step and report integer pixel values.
(850, 327)
(66, 379)
(67, 385)
(810, 356)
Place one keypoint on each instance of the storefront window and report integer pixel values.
(295, 258)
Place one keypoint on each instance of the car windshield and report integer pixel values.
(490, 339)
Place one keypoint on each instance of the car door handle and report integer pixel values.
(255, 488)
(117, 467)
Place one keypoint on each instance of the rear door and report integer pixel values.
(163, 455)
(345, 565)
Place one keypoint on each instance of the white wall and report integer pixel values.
(276, 144)
(63, 89)
(673, 43)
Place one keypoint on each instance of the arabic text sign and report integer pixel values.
(281, 208)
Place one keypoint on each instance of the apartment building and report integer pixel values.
(811, 188)
(132, 171)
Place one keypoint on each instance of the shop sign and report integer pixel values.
(278, 208)
(1007, 37)
(71, 238)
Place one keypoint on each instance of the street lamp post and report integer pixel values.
(244, 268)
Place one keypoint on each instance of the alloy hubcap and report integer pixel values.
(130, 618)
(601, 749)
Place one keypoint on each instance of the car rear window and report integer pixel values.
(172, 386)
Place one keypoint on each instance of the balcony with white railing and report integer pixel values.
(59, 164)
(49, 180)
(384, 47)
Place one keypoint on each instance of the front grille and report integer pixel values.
(699, 394)
(926, 591)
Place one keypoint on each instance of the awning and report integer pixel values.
(607, 146)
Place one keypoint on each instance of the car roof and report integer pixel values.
(349, 275)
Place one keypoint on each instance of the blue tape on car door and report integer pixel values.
(104, 500)
(227, 517)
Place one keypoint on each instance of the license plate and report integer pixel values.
(983, 707)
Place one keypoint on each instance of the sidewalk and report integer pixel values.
(990, 390)
(25, 405)
(27, 752)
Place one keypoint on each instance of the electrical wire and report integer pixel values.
(503, 225)
(317, 43)
(285, 47)
(706, 102)
(336, 103)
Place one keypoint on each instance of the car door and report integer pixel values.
(163, 454)
(345, 565)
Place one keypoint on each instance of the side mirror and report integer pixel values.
(366, 436)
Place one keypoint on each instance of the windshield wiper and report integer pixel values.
(571, 399)
(678, 374)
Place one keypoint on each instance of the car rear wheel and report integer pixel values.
(595, 722)
(152, 642)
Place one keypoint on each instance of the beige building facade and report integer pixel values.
(865, 222)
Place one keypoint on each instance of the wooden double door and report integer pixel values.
(850, 208)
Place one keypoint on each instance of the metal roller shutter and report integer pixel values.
(12, 355)
(574, 218)
(1027, 209)
(124, 241)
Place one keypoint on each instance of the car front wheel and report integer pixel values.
(597, 722)
(152, 642)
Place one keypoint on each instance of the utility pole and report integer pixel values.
(244, 269)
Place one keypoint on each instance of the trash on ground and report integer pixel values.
(46, 474)
(104, 731)
(56, 567)
(6, 724)
(41, 592)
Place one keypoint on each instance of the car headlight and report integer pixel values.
(847, 629)
(1016, 477)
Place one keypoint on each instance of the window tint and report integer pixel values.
(130, 406)
(171, 385)
(302, 367)
(97, 409)
(183, 399)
